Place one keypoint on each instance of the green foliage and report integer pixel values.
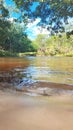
(40, 41)
(4, 30)
(50, 11)
(17, 40)
(3, 10)
(7, 54)
(13, 38)
(54, 45)
(27, 54)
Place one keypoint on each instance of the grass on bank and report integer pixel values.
(27, 54)
(10, 54)
(7, 54)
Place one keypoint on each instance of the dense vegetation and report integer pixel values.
(13, 39)
(54, 45)
(54, 15)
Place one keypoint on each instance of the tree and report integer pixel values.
(40, 43)
(4, 31)
(52, 12)
(12, 35)
(16, 40)
(3, 11)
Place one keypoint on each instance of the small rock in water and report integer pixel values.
(21, 81)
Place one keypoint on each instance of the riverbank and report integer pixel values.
(21, 112)
(4, 53)
(10, 54)
(70, 54)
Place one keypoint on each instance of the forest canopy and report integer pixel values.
(53, 14)
(49, 10)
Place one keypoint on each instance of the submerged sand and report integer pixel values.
(21, 112)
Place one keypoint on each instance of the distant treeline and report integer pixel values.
(13, 40)
(55, 45)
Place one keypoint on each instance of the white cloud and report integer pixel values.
(33, 30)
(11, 19)
(33, 23)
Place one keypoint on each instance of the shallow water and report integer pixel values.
(52, 69)
(32, 69)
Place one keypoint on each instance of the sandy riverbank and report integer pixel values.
(21, 112)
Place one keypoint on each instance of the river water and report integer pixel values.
(41, 68)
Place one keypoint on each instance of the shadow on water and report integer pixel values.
(32, 72)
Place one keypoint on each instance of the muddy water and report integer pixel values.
(38, 71)
(8, 64)
(24, 113)
(49, 69)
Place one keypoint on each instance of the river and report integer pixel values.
(32, 69)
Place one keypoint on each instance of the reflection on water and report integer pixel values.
(7, 64)
(49, 69)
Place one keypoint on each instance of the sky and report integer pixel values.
(11, 5)
(32, 29)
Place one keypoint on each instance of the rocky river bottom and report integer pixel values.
(36, 93)
(38, 88)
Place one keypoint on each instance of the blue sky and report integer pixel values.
(32, 29)
(10, 3)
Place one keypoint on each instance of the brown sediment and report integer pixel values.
(52, 85)
(5, 85)
(27, 87)
(26, 113)
(11, 63)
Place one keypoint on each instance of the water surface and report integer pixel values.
(49, 69)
